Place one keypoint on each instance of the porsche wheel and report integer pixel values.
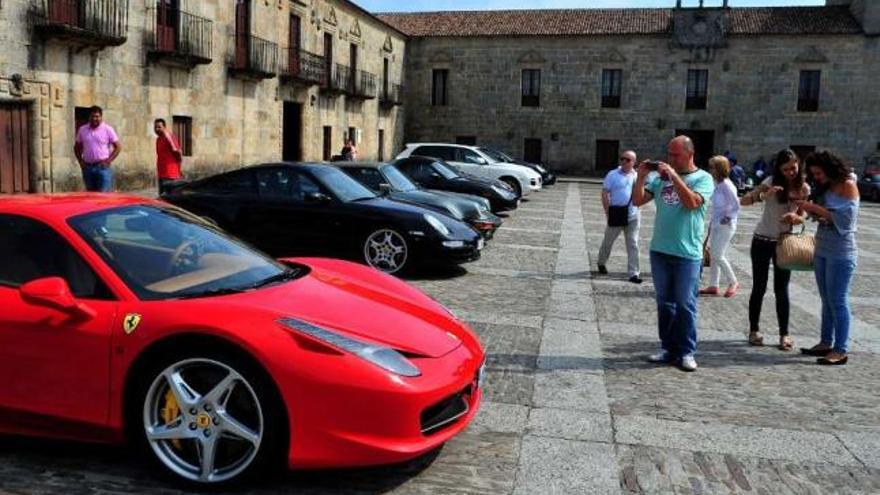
(209, 420)
(386, 250)
(513, 184)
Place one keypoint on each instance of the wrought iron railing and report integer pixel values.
(363, 84)
(180, 35)
(103, 22)
(303, 66)
(391, 94)
(254, 56)
(339, 79)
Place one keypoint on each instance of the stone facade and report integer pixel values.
(751, 107)
(235, 121)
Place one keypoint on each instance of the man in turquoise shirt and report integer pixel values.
(681, 193)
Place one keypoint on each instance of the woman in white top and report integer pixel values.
(725, 209)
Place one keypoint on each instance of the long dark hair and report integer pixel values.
(797, 184)
(832, 165)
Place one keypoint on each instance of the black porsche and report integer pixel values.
(432, 173)
(548, 178)
(299, 209)
(385, 179)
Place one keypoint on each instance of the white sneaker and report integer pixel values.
(688, 363)
(660, 357)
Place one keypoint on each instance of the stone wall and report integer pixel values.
(752, 94)
(235, 122)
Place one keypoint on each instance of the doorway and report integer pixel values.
(242, 30)
(532, 150)
(292, 132)
(607, 154)
(15, 163)
(704, 144)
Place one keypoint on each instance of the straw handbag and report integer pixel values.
(794, 251)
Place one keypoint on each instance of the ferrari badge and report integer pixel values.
(131, 322)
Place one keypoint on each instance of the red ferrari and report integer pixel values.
(129, 319)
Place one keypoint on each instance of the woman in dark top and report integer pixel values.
(836, 208)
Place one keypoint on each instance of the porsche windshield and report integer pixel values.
(397, 180)
(343, 187)
(163, 252)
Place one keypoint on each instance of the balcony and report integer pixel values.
(337, 80)
(302, 67)
(362, 85)
(98, 23)
(391, 95)
(253, 58)
(178, 37)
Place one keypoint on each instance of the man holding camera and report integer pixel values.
(621, 215)
(681, 193)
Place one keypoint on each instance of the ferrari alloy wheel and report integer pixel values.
(386, 250)
(203, 420)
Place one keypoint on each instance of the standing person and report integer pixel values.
(681, 193)
(168, 156)
(95, 148)
(722, 227)
(349, 151)
(779, 192)
(619, 209)
(837, 209)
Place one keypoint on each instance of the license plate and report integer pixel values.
(480, 244)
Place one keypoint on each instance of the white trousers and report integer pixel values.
(719, 240)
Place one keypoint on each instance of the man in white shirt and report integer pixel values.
(621, 215)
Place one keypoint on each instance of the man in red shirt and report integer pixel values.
(168, 156)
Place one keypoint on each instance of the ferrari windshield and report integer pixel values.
(163, 252)
(397, 180)
(341, 185)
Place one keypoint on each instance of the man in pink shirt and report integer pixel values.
(96, 147)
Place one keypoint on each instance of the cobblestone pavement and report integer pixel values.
(571, 407)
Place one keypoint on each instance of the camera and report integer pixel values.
(652, 165)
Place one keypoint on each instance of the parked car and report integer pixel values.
(435, 174)
(548, 178)
(385, 179)
(869, 185)
(470, 160)
(317, 210)
(126, 318)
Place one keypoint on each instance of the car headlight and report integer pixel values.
(436, 223)
(384, 357)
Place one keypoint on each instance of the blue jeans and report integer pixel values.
(676, 281)
(97, 177)
(833, 276)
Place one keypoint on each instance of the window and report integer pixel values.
(466, 140)
(531, 87)
(441, 152)
(327, 143)
(352, 135)
(439, 90)
(285, 183)
(697, 86)
(30, 250)
(380, 155)
(183, 131)
(469, 156)
(808, 92)
(611, 79)
(369, 177)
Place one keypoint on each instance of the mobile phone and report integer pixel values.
(652, 165)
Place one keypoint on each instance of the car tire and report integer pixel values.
(386, 250)
(514, 185)
(231, 411)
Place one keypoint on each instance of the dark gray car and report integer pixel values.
(387, 179)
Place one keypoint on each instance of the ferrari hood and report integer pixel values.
(360, 302)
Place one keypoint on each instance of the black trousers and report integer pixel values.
(763, 252)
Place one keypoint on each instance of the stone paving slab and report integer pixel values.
(570, 424)
(558, 466)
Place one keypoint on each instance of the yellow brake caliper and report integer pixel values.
(170, 412)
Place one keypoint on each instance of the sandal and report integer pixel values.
(709, 291)
(785, 343)
(755, 339)
(731, 291)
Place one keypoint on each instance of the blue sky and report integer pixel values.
(433, 5)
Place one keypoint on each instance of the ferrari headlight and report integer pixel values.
(383, 357)
(437, 224)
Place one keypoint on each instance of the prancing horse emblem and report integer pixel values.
(131, 322)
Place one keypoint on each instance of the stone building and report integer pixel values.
(576, 87)
(240, 81)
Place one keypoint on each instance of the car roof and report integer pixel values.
(454, 145)
(419, 158)
(359, 164)
(66, 205)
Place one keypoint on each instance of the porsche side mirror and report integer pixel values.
(317, 197)
(384, 189)
(53, 292)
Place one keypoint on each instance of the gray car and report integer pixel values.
(388, 180)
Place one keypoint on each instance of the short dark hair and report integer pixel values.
(160, 121)
(96, 109)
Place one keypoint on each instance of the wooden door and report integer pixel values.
(242, 29)
(328, 59)
(166, 25)
(532, 150)
(14, 153)
(293, 43)
(607, 154)
(64, 12)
